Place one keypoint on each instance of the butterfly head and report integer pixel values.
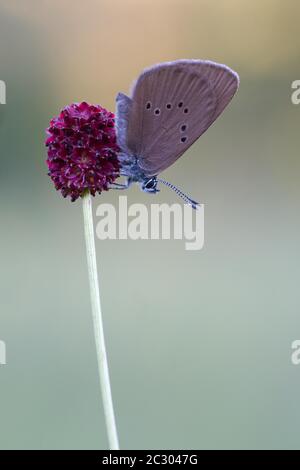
(149, 185)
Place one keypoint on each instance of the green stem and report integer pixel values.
(98, 324)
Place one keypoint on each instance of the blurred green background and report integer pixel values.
(199, 343)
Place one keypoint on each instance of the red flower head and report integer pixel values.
(82, 150)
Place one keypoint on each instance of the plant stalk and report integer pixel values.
(98, 324)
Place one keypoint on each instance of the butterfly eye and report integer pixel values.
(157, 111)
(186, 110)
(183, 139)
(148, 105)
(180, 104)
(169, 106)
(183, 128)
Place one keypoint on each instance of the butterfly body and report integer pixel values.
(172, 104)
(134, 174)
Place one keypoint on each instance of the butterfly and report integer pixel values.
(171, 105)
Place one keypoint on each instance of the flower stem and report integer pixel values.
(98, 324)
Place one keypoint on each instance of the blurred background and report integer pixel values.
(199, 342)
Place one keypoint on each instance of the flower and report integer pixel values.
(82, 150)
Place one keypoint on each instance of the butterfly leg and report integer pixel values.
(125, 185)
(118, 186)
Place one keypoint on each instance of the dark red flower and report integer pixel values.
(82, 150)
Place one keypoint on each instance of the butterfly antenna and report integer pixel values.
(183, 196)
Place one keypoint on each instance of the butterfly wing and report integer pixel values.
(123, 107)
(172, 105)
